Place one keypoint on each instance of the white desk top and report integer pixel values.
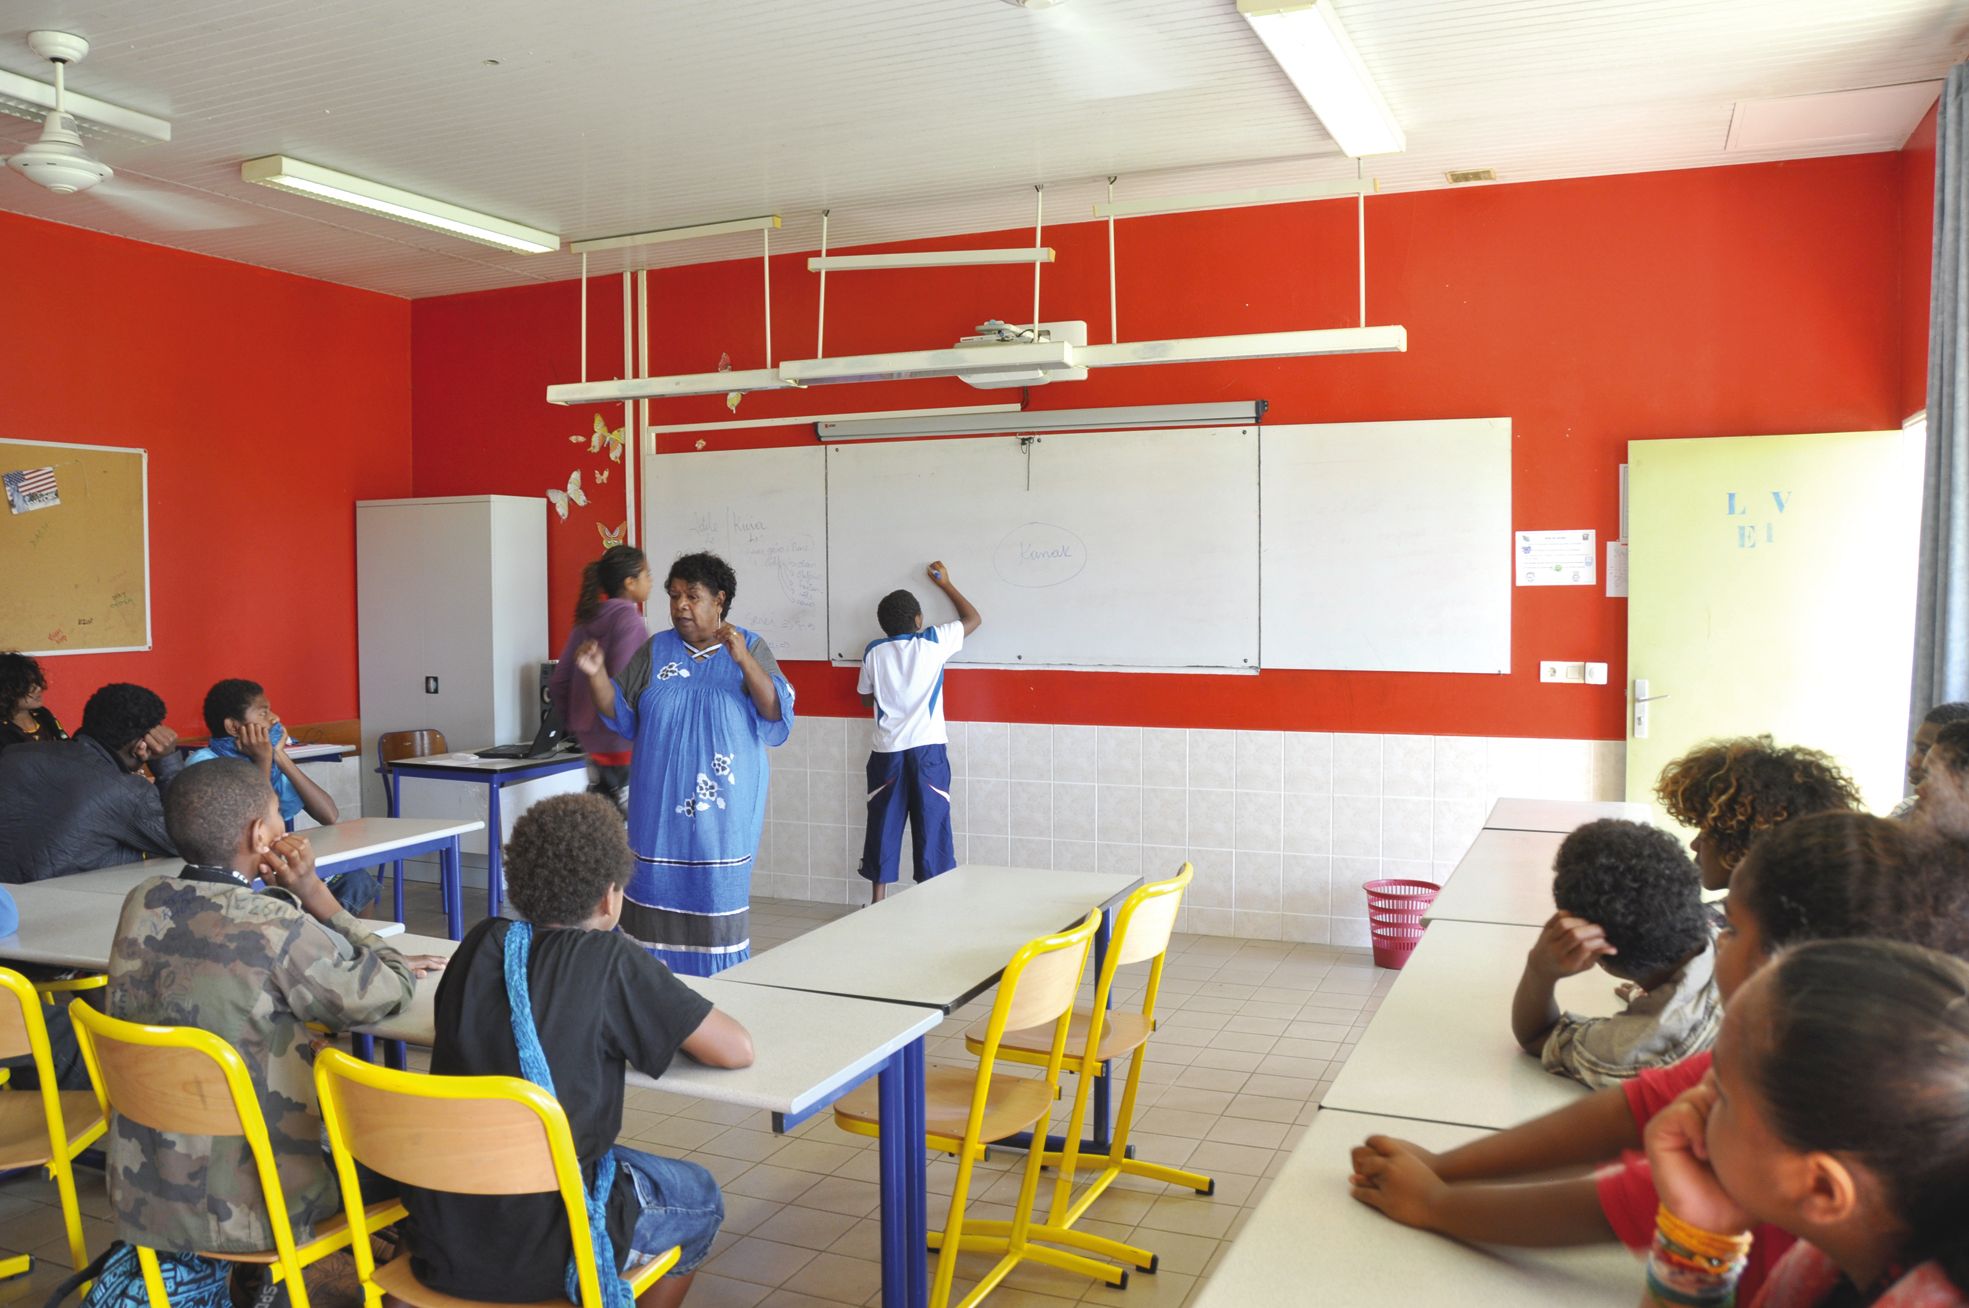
(565, 758)
(359, 841)
(805, 1045)
(61, 927)
(1505, 877)
(938, 943)
(1561, 815)
(1310, 1241)
(315, 753)
(1440, 1048)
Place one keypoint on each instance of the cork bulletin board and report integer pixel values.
(74, 548)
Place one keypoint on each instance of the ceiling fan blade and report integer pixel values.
(162, 207)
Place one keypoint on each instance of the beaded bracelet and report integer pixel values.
(1693, 1268)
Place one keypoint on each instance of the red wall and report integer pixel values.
(1917, 255)
(1723, 301)
(269, 404)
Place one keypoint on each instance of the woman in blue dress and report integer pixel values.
(703, 702)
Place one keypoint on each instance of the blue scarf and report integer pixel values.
(283, 789)
(533, 1066)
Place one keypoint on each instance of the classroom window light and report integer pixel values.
(353, 192)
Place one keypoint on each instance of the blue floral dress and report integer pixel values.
(697, 797)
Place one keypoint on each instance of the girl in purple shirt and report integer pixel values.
(606, 612)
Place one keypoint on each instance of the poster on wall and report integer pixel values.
(31, 489)
(1555, 558)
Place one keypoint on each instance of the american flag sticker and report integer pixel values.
(31, 489)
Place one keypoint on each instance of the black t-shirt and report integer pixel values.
(599, 1002)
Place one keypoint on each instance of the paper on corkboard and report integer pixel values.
(77, 561)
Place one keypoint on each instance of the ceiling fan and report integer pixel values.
(59, 161)
(1091, 54)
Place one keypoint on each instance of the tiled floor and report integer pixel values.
(1252, 1033)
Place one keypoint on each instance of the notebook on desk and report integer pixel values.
(546, 741)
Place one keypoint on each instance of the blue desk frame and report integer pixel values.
(494, 780)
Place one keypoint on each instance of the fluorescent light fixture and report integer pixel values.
(927, 259)
(1310, 45)
(26, 98)
(976, 361)
(1326, 190)
(389, 202)
(667, 234)
(1137, 417)
(829, 419)
(1256, 345)
(665, 388)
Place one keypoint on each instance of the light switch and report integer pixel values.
(430, 685)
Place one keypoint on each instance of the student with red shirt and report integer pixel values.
(1829, 876)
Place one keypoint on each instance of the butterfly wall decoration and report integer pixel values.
(572, 495)
(601, 477)
(611, 537)
(602, 438)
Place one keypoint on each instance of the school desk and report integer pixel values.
(1440, 1047)
(1310, 1241)
(1505, 876)
(1560, 815)
(359, 842)
(495, 774)
(809, 1050)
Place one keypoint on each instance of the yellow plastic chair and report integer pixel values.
(459, 1135)
(190, 1082)
(52, 991)
(1142, 927)
(43, 1128)
(964, 1110)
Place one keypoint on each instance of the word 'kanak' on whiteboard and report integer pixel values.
(1554, 558)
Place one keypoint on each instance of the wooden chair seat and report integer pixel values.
(1013, 1104)
(397, 1280)
(330, 1233)
(1123, 1033)
(24, 1132)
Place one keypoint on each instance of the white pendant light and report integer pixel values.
(353, 192)
(1310, 45)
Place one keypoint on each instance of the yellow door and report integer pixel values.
(1771, 589)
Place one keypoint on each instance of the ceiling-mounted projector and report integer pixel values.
(995, 334)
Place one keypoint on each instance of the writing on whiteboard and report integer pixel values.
(1035, 555)
(761, 555)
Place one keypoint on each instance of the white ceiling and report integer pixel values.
(906, 118)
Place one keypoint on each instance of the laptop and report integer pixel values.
(546, 741)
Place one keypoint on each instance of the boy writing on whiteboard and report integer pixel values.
(908, 768)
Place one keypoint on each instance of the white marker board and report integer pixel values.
(1388, 546)
(1116, 549)
(765, 513)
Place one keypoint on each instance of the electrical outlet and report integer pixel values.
(1557, 671)
(1596, 674)
(430, 685)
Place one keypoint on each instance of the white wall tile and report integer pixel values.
(1256, 879)
(1407, 869)
(790, 849)
(1257, 926)
(1541, 769)
(1120, 814)
(1609, 768)
(1120, 857)
(1456, 825)
(1213, 760)
(1032, 752)
(1349, 932)
(1076, 754)
(1212, 818)
(991, 851)
(988, 746)
(1308, 762)
(1357, 826)
(792, 752)
(1030, 853)
(1032, 809)
(786, 797)
(1160, 861)
(1308, 823)
(1356, 764)
(1260, 760)
(1408, 766)
(1349, 875)
(1214, 882)
(990, 804)
(1120, 755)
(1165, 814)
(959, 756)
(1306, 884)
(1260, 820)
(854, 845)
(1212, 921)
(1462, 767)
(960, 805)
(1304, 929)
(1165, 757)
(1073, 811)
(1406, 825)
(827, 744)
(827, 855)
(1076, 856)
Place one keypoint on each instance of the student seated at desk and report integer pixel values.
(1826, 877)
(1924, 740)
(592, 1003)
(1630, 902)
(82, 804)
(243, 724)
(203, 949)
(1733, 791)
(1837, 1111)
(24, 719)
(1943, 794)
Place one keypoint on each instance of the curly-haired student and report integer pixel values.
(24, 719)
(1733, 791)
(1630, 902)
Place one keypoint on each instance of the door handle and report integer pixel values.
(1641, 701)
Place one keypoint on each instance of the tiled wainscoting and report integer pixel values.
(1283, 826)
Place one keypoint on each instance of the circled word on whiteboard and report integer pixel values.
(1039, 554)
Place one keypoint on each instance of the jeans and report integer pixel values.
(681, 1206)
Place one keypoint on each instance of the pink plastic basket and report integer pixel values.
(1394, 911)
(1393, 945)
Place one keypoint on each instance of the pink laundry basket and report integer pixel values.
(1394, 913)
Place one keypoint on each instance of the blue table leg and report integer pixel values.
(892, 1095)
(917, 1169)
(495, 870)
(396, 1055)
(451, 885)
(1103, 1116)
(363, 1047)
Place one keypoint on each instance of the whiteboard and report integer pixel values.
(1116, 549)
(765, 513)
(1388, 546)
